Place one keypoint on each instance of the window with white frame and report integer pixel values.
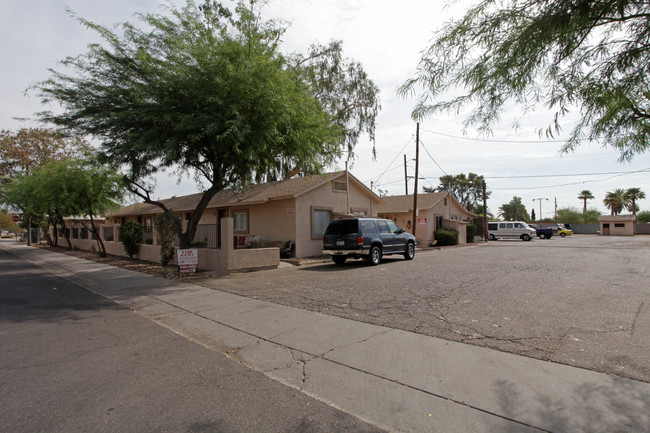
(240, 221)
(320, 220)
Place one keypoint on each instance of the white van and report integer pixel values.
(510, 230)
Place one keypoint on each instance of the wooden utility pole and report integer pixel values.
(347, 187)
(415, 187)
(406, 177)
(485, 218)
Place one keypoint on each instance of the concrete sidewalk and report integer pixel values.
(398, 380)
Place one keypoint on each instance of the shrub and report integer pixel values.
(446, 237)
(643, 217)
(131, 235)
(199, 244)
(471, 232)
(165, 227)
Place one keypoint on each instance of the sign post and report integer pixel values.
(188, 260)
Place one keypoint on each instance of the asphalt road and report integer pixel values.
(582, 301)
(71, 361)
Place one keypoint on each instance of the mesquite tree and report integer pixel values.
(205, 92)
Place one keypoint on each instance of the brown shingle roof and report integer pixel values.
(254, 194)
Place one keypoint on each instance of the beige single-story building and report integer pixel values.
(616, 225)
(269, 214)
(435, 210)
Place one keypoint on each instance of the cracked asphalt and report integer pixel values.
(583, 301)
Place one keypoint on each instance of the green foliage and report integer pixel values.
(616, 201)
(445, 237)
(471, 232)
(199, 244)
(478, 210)
(6, 222)
(569, 215)
(131, 236)
(514, 210)
(468, 190)
(60, 189)
(632, 195)
(166, 229)
(585, 195)
(643, 217)
(209, 94)
(556, 53)
(342, 88)
(591, 216)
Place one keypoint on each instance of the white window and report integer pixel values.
(320, 220)
(240, 221)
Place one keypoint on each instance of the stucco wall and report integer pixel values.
(274, 221)
(324, 197)
(608, 225)
(224, 259)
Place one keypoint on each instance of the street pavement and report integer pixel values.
(397, 380)
(74, 361)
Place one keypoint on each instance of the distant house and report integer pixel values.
(269, 214)
(616, 225)
(435, 210)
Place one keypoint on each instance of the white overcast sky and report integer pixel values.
(386, 37)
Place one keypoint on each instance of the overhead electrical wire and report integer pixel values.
(493, 141)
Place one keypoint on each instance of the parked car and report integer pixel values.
(542, 233)
(561, 230)
(366, 238)
(510, 229)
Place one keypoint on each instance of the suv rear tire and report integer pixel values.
(374, 257)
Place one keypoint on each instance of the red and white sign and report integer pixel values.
(422, 221)
(188, 260)
(15, 218)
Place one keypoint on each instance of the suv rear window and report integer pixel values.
(342, 227)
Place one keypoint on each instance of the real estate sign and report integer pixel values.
(188, 260)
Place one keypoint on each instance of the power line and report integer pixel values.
(391, 163)
(567, 175)
(493, 141)
(533, 158)
(425, 149)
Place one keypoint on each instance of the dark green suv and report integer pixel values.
(366, 238)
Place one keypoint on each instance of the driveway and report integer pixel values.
(582, 300)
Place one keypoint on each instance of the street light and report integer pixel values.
(540, 205)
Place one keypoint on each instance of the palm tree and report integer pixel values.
(632, 195)
(514, 210)
(616, 201)
(585, 195)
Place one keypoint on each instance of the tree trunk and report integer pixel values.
(185, 239)
(65, 233)
(100, 242)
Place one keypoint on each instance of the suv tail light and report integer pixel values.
(359, 240)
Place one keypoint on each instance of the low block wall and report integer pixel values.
(257, 258)
(210, 259)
